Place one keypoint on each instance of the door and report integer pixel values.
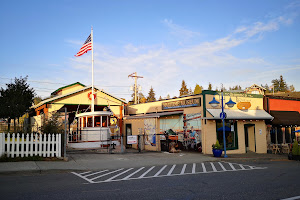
(128, 132)
(250, 142)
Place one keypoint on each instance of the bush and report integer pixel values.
(53, 125)
(296, 149)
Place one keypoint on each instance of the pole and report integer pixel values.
(93, 102)
(223, 120)
(135, 86)
(65, 138)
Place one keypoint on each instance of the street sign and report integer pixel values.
(223, 115)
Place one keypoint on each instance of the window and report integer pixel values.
(104, 121)
(97, 121)
(90, 122)
(230, 134)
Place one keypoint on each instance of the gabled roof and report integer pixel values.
(74, 92)
(59, 89)
(255, 86)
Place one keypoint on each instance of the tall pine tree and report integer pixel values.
(183, 91)
(151, 95)
(198, 89)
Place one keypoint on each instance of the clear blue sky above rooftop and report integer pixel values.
(229, 42)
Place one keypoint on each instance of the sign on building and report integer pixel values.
(182, 103)
(131, 139)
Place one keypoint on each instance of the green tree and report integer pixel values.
(16, 99)
(279, 84)
(151, 95)
(209, 86)
(37, 100)
(140, 97)
(292, 88)
(52, 124)
(198, 89)
(183, 91)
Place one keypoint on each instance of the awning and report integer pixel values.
(154, 115)
(285, 118)
(241, 114)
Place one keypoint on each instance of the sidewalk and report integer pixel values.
(91, 161)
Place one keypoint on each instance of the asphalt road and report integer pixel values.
(267, 180)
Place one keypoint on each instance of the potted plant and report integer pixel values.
(217, 149)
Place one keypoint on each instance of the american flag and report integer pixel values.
(87, 46)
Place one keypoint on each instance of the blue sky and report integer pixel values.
(229, 42)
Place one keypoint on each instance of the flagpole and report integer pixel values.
(93, 102)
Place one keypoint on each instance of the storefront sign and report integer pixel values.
(131, 139)
(182, 103)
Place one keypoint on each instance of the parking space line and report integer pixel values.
(171, 170)
(203, 167)
(119, 174)
(106, 174)
(232, 167)
(213, 167)
(96, 173)
(223, 168)
(194, 168)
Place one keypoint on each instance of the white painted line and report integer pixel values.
(171, 170)
(194, 168)
(111, 178)
(96, 173)
(144, 174)
(292, 198)
(232, 167)
(107, 174)
(85, 173)
(88, 180)
(130, 175)
(242, 167)
(213, 167)
(183, 169)
(160, 170)
(203, 166)
(222, 166)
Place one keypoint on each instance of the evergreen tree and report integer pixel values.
(16, 99)
(183, 91)
(190, 91)
(209, 86)
(198, 89)
(151, 95)
(282, 84)
(168, 96)
(292, 88)
(139, 97)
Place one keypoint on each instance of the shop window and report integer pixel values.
(90, 122)
(230, 134)
(97, 121)
(288, 135)
(104, 121)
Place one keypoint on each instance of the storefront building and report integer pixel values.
(245, 123)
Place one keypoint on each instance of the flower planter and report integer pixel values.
(217, 152)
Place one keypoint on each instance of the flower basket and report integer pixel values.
(217, 149)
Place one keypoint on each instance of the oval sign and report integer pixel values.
(243, 105)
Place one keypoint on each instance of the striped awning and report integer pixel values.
(241, 114)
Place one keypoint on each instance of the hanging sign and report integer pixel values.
(181, 103)
(243, 105)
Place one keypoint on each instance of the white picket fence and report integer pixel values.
(21, 145)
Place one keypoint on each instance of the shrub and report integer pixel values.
(296, 149)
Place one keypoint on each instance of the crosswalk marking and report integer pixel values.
(130, 175)
(213, 167)
(96, 173)
(119, 174)
(171, 170)
(144, 174)
(223, 168)
(122, 174)
(194, 168)
(183, 169)
(160, 170)
(232, 167)
(106, 174)
(203, 167)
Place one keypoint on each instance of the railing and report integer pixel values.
(21, 145)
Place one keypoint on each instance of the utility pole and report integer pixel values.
(135, 76)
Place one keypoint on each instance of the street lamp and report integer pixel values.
(214, 103)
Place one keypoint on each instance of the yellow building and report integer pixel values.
(76, 98)
(196, 122)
